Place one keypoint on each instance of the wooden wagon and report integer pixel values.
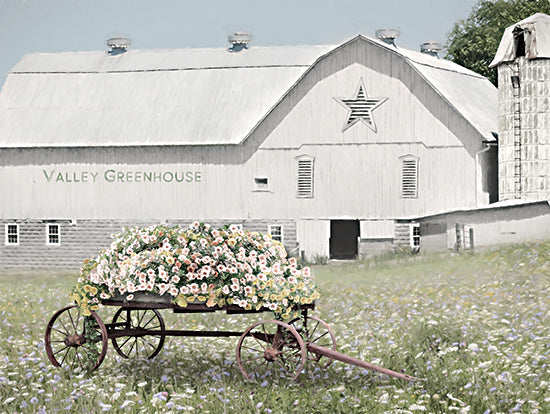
(138, 330)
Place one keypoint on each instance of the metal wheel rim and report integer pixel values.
(139, 345)
(251, 351)
(320, 334)
(69, 323)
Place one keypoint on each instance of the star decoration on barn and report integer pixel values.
(360, 107)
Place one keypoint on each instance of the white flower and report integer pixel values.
(473, 347)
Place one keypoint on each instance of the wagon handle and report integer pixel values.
(330, 353)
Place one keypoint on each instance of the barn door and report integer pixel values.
(343, 239)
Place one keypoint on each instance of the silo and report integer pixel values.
(523, 62)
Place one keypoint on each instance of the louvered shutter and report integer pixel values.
(305, 178)
(409, 178)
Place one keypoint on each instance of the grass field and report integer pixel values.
(477, 327)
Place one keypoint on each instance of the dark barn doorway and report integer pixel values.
(343, 239)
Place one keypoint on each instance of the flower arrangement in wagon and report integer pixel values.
(217, 267)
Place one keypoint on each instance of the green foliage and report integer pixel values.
(473, 42)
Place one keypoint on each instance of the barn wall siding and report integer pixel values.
(366, 185)
(491, 226)
(357, 172)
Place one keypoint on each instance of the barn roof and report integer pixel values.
(186, 96)
(535, 31)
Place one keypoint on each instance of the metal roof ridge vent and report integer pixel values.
(431, 48)
(239, 41)
(118, 45)
(387, 35)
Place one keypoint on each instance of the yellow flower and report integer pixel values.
(90, 289)
(181, 301)
(231, 242)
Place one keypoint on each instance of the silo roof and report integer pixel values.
(536, 36)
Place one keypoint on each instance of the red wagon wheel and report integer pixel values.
(271, 347)
(138, 332)
(76, 340)
(318, 332)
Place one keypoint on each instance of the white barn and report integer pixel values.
(335, 150)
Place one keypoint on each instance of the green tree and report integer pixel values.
(473, 42)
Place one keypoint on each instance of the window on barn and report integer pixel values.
(12, 234)
(261, 184)
(305, 177)
(276, 232)
(409, 176)
(52, 234)
(415, 236)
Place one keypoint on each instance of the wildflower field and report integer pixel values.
(475, 326)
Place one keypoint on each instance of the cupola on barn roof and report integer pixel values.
(531, 35)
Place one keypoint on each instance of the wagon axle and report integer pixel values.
(75, 340)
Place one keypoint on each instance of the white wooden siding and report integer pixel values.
(313, 238)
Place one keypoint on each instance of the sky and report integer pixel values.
(29, 26)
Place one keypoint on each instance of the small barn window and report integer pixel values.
(261, 184)
(415, 236)
(52, 234)
(409, 177)
(305, 177)
(12, 234)
(276, 232)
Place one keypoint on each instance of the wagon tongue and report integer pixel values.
(330, 353)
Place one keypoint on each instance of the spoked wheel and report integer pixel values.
(75, 340)
(318, 332)
(138, 332)
(271, 348)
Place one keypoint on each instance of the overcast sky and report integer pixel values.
(28, 26)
